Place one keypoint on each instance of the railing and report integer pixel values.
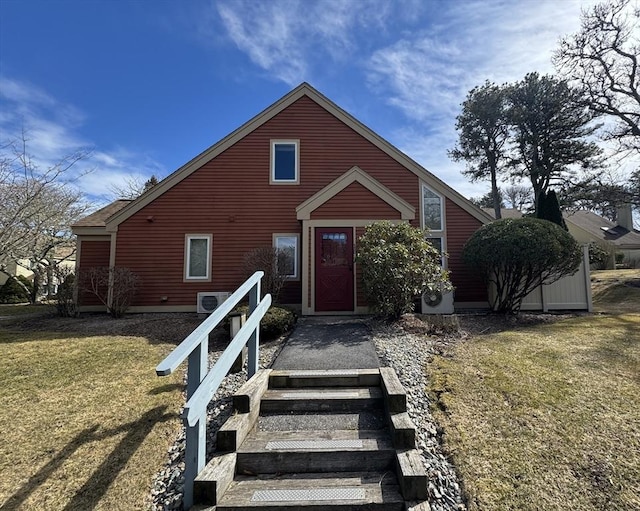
(202, 385)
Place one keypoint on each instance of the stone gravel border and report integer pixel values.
(408, 353)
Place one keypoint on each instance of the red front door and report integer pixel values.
(334, 269)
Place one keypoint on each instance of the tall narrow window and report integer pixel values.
(287, 245)
(197, 257)
(431, 210)
(437, 244)
(284, 161)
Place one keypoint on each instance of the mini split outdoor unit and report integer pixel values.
(210, 301)
(437, 302)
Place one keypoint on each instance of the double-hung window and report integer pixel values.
(285, 162)
(197, 260)
(287, 254)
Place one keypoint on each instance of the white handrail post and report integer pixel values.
(195, 442)
(254, 340)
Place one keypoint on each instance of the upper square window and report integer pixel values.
(284, 161)
(431, 210)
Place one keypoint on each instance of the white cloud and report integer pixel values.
(285, 37)
(52, 131)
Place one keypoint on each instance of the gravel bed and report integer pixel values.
(167, 488)
(408, 353)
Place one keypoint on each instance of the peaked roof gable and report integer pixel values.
(303, 89)
(357, 175)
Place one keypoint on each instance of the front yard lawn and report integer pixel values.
(85, 421)
(547, 415)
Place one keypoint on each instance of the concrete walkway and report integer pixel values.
(329, 342)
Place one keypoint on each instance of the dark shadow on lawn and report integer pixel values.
(88, 496)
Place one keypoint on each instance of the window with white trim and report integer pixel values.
(287, 246)
(438, 245)
(285, 164)
(431, 210)
(197, 264)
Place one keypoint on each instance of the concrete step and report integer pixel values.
(324, 378)
(373, 491)
(309, 451)
(339, 399)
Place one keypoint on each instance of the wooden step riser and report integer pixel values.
(329, 379)
(317, 462)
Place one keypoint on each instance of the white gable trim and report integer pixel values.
(355, 175)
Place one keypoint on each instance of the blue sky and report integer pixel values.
(148, 85)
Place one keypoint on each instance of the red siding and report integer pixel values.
(93, 254)
(231, 198)
(460, 226)
(356, 202)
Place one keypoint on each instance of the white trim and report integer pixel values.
(355, 174)
(272, 172)
(296, 259)
(187, 257)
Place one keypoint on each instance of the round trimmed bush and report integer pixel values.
(518, 255)
(12, 292)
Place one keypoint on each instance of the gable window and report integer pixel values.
(284, 162)
(287, 245)
(197, 257)
(431, 210)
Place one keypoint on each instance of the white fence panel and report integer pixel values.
(569, 293)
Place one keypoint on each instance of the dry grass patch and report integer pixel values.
(616, 291)
(85, 421)
(546, 416)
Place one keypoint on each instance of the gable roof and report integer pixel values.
(603, 229)
(355, 175)
(303, 90)
(97, 220)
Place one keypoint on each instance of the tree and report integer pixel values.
(37, 209)
(549, 209)
(550, 128)
(132, 187)
(483, 134)
(487, 200)
(517, 255)
(602, 58)
(603, 193)
(518, 197)
(397, 265)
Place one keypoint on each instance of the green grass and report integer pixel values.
(85, 421)
(546, 416)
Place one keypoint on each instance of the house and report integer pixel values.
(587, 227)
(615, 238)
(303, 175)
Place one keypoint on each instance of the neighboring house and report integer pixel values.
(63, 259)
(587, 227)
(621, 237)
(303, 175)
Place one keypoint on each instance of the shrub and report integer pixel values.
(598, 256)
(398, 264)
(518, 255)
(65, 297)
(12, 292)
(274, 263)
(276, 321)
(115, 287)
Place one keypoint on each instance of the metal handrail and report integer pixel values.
(202, 383)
